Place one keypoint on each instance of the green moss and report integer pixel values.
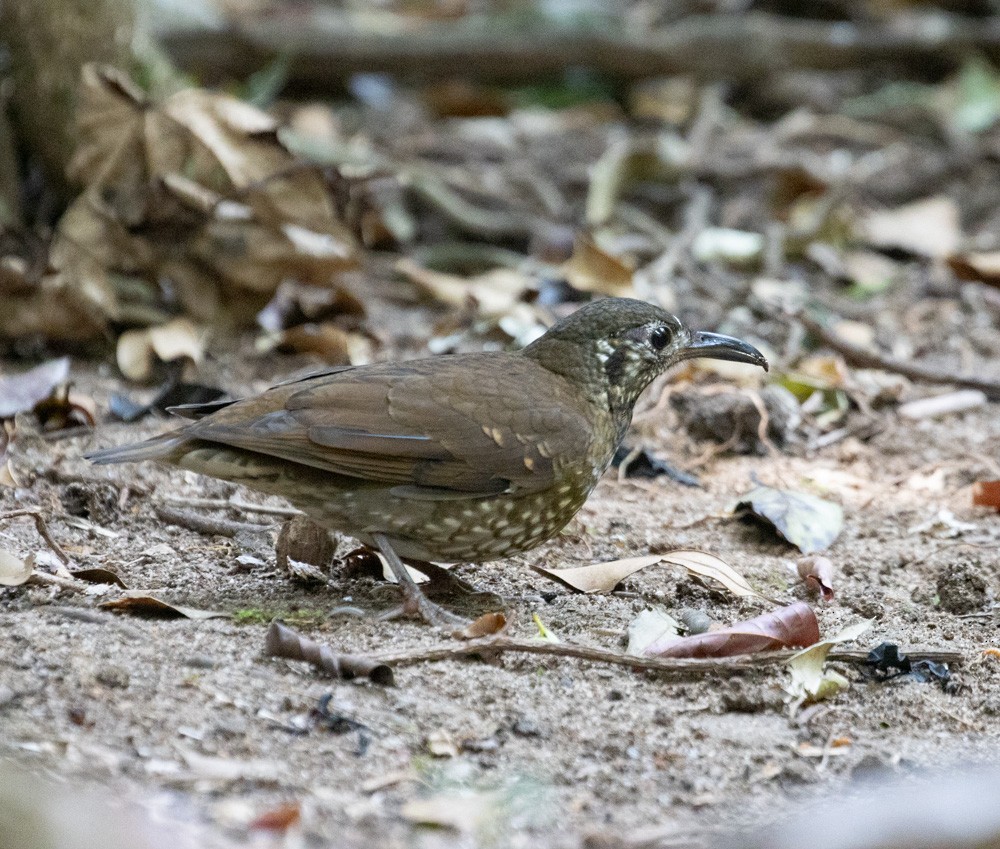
(265, 615)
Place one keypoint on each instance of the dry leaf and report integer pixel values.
(928, 227)
(139, 351)
(707, 565)
(810, 681)
(98, 576)
(649, 627)
(599, 577)
(492, 293)
(592, 269)
(332, 344)
(787, 627)
(817, 572)
(485, 626)
(946, 404)
(13, 570)
(983, 267)
(278, 819)
(139, 603)
(986, 494)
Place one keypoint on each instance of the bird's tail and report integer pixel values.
(164, 447)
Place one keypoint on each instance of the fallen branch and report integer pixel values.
(682, 666)
(325, 50)
(866, 358)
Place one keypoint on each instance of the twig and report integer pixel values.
(865, 358)
(282, 641)
(43, 531)
(46, 579)
(497, 645)
(206, 524)
(233, 504)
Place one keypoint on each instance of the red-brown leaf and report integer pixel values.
(788, 627)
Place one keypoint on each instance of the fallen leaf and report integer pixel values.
(21, 392)
(440, 745)
(817, 572)
(946, 404)
(787, 627)
(13, 570)
(98, 576)
(484, 626)
(986, 494)
(592, 269)
(599, 577)
(461, 811)
(139, 351)
(332, 344)
(278, 819)
(707, 565)
(214, 768)
(810, 680)
(806, 521)
(928, 227)
(494, 292)
(943, 525)
(649, 627)
(983, 267)
(738, 248)
(139, 603)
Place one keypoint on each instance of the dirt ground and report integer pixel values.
(192, 721)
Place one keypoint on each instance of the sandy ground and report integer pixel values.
(190, 719)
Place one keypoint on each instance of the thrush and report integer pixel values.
(459, 458)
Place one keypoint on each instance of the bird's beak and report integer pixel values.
(715, 346)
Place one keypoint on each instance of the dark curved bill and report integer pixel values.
(715, 346)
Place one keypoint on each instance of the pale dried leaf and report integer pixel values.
(13, 570)
(807, 521)
(599, 577)
(810, 680)
(650, 626)
(485, 626)
(592, 269)
(928, 227)
(707, 565)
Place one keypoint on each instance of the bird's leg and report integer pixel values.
(444, 583)
(414, 601)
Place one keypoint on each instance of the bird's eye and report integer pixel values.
(659, 338)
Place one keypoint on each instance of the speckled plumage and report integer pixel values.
(458, 458)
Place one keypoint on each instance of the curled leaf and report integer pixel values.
(485, 626)
(649, 627)
(599, 577)
(817, 572)
(21, 392)
(139, 351)
(786, 627)
(986, 494)
(707, 565)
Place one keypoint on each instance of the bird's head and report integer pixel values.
(614, 347)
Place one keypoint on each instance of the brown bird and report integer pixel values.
(469, 457)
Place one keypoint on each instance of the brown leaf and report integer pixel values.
(139, 351)
(13, 570)
(986, 494)
(788, 627)
(592, 269)
(98, 576)
(278, 819)
(327, 341)
(817, 572)
(493, 293)
(485, 626)
(138, 603)
(21, 392)
(982, 267)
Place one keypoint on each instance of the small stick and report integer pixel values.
(206, 524)
(282, 641)
(43, 531)
(865, 358)
(44, 579)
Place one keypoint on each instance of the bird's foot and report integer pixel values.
(419, 606)
(444, 583)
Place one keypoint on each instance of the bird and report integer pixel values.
(455, 458)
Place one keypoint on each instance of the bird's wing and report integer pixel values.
(489, 424)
